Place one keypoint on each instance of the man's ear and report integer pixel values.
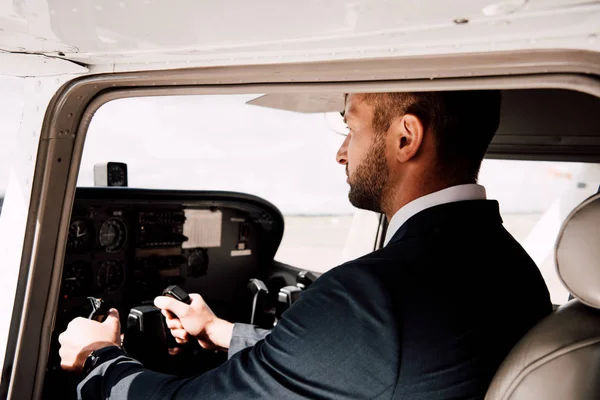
(407, 134)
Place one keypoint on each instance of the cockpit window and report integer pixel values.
(220, 142)
(535, 198)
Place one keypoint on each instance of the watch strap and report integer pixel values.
(99, 356)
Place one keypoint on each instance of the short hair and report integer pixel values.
(463, 123)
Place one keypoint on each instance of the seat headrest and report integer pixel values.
(577, 252)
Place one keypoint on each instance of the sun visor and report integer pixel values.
(302, 102)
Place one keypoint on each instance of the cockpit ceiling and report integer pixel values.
(197, 33)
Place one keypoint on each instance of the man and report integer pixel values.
(431, 315)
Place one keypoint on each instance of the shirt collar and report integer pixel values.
(449, 195)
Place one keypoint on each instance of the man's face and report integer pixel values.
(364, 155)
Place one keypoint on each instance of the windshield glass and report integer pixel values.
(220, 142)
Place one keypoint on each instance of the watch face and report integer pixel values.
(116, 174)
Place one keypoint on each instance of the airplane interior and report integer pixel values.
(125, 246)
(150, 148)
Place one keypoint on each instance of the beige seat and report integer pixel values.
(559, 358)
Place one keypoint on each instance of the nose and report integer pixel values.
(342, 155)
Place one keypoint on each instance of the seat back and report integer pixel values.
(559, 358)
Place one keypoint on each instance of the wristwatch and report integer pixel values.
(100, 355)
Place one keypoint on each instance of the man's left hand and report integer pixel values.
(84, 336)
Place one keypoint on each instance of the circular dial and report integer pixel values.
(77, 279)
(111, 276)
(113, 235)
(116, 175)
(197, 263)
(80, 235)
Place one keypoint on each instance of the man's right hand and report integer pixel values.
(196, 320)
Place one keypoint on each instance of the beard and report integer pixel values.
(368, 182)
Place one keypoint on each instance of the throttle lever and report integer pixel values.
(286, 297)
(304, 279)
(259, 294)
(99, 309)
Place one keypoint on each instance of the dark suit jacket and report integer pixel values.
(429, 316)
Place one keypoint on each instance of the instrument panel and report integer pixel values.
(126, 245)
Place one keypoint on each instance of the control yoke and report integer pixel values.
(146, 335)
(99, 309)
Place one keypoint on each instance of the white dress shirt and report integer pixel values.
(449, 195)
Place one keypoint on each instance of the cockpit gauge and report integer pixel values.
(77, 279)
(80, 235)
(197, 263)
(117, 174)
(110, 174)
(113, 235)
(111, 276)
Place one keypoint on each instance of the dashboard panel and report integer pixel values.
(127, 245)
